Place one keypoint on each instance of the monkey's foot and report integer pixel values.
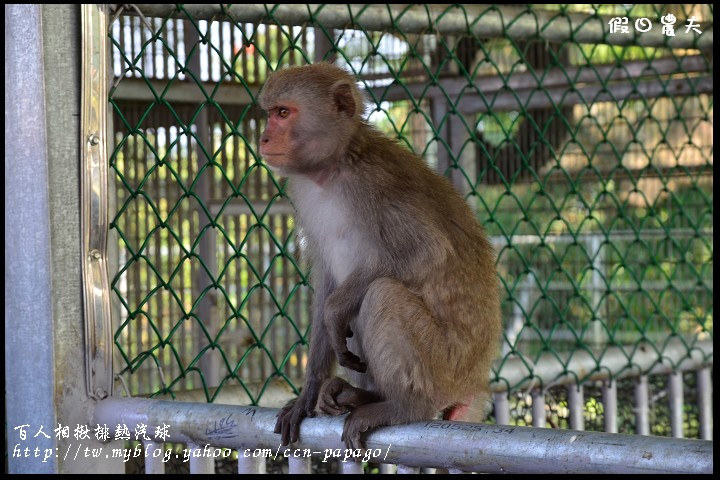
(350, 360)
(356, 426)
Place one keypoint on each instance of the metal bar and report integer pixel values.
(407, 470)
(576, 405)
(351, 467)
(61, 53)
(597, 330)
(701, 171)
(441, 122)
(500, 241)
(94, 202)
(560, 97)
(642, 410)
(154, 464)
(199, 462)
(538, 408)
(463, 153)
(29, 323)
(299, 465)
(470, 447)
(644, 358)
(135, 89)
(551, 77)
(388, 468)
(201, 280)
(251, 465)
(704, 389)
(675, 397)
(142, 377)
(517, 23)
(502, 408)
(609, 399)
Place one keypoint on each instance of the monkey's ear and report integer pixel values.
(343, 98)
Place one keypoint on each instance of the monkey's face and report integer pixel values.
(277, 141)
(298, 139)
(302, 136)
(311, 116)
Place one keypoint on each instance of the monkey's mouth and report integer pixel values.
(276, 161)
(273, 159)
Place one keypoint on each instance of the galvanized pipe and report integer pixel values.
(538, 408)
(469, 447)
(406, 470)
(154, 464)
(349, 467)
(704, 388)
(252, 465)
(517, 23)
(30, 325)
(502, 408)
(645, 357)
(576, 406)
(675, 396)
(609, 400)
(642, 409)
(199, 463)
(299, 465)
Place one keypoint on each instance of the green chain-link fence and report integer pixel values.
(586, 154)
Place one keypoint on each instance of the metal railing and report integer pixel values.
(466, 447)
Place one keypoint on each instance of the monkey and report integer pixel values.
(406, 296)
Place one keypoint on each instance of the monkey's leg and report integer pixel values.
(380, 414)
(337, 397)
(404, 348)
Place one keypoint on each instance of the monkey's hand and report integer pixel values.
(337, 397)
(328, 402)
(350, 360)
(289, 418)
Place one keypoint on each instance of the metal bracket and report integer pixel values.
(94, 201)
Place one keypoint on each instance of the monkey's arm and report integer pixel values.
(342, 305)
(319, 366)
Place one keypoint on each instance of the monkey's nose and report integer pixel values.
(264, 140)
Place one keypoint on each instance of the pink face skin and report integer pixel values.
(279, 148)
(276, 143)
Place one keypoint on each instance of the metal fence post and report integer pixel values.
(29, 326)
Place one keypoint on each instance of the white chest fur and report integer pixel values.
(330, 227)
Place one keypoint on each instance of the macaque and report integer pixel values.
(406, 294)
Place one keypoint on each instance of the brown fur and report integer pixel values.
(400, 264)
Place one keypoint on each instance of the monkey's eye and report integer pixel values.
(283, 112)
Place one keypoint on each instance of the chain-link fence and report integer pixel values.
(585, 152)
